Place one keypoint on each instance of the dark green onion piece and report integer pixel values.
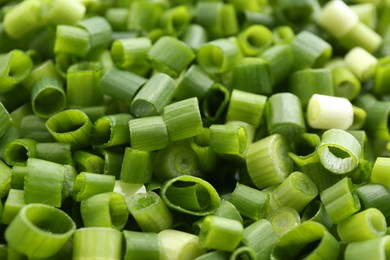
(220, 233)
(55, 152)
(345, 83)
(6, 120)
(310, 51)
(71, 40)
(382, 76)
(250, 202)
(254, 39)
(214, 103)
(47, 97)
(339, 151)
(5, 179)
(99, 31)
(39, 230)
(88, 162)
(130, 53)
(193, 83)
(195, 36)
(111, 130)
(82, 88)
(104, 210)
(157, 92)
(268, 162)
(175, 160)
(12, 205)
(139, 245)
(70, 126)
(315, 211)
(284, 115)
(304, 83)
(170, 56)
(175, 20)
(117, 17)
(33, 127)
(148, 133)
(305, 149)
(19, 150)
(144, 16)
(150, 212)
(218, 56)
(183, 119)
(107, 243)
(280, 61)
(340, 200)
(207, 158)
(310, 240)
(88, 184)
(190, 195)
(252, 74)
(374, 195)
(120, 84)
(137, 166)
(16, 65)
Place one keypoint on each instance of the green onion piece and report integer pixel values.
(12, 205)
(11, 134)
(111, 130)
(150, 212)
(19, 150)
(201, 145)
(345, 83)
(18, 173)
(361, 36)
(104, 210)
(310, 51)
(121, 85)
(33, 127)
(227, 210)
(195, 36)
(364, 225)
(44, 182)
(315, 211)
(183, 119)
(15, 117)
(128, 190)
(217, 18)
(377, 120)
(284, 115)
(112, 162)
(137, 166)
(71, 40)
(6, 120)
(214, 103)
(129, 53)
(108, 107)
(84, 78)
(339, 151)
(139, 245)
(214, 255)
(382, 76)
(175, 20)
(157, 92)
(295, 192)
(170, 55)
(193, 83)
(218, 56)
(337, 18)
(268, 162)
(326, 112)
(374, 196)
(177, 245)
(39, 230)
(361, 63)
(5, 179)
(190, 195)
(175, 160)
(88, 184)
(308, 240)
(63, 11)
(144, 16)
(47, 97)
(99, 31)
(254, 39)
(55, 152)
(255, 17)
(88, 162)
(16, 65)
(250, 202)
(220, 233)
(117, 17)
(23, 19)
(283, 34)
(107, 243)
(284, 219)
(252, 74)
(379, 171)
(230, 140)
(260, 236)
(148, 133)
(69, 180)
(305, 149)
(247, 107)
(70, 126)
(304, 83)
(280, 61)
(340, 200)
(369, 249)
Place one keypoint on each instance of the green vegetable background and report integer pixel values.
(194, 129)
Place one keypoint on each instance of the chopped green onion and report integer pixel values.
(361, 63)
(19, 151)
(369, 249)
(175, 20)
(12, 205)
(143, 245)
(55, 152)
(88, 184)
(345, 83)
(228, 139)
(143, 129)
(284, 219)
(99, 31)
(254, 39)
(195, 36)
(71, 40)
(88, 162)
(280, 61)
(137, 166)
(375, 196)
